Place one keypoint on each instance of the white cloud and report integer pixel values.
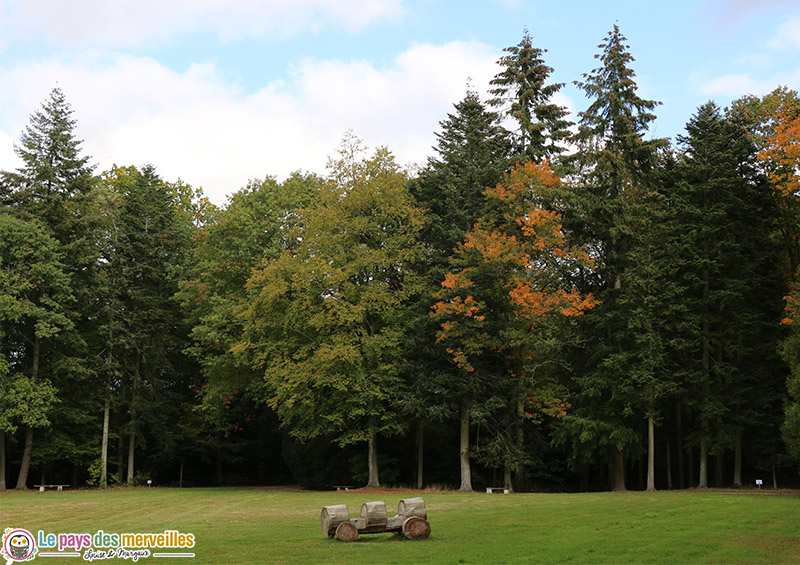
(730, 85)
(196, 126)
(139, 23)
(787, 35)
(736, 85)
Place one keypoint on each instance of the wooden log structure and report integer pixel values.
(411, 520)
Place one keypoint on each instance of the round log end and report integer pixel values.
(416, 528)
(346, 532)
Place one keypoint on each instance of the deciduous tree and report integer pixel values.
(509, 275)
(328, 320)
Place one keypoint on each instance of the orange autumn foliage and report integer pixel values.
(523, 178)
(525, 257)
(783, 152)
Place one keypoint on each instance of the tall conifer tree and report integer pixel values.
(613, 163)
(472, 151)
(521, 92)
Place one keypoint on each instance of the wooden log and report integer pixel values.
(416, 528)
(412, 507)
(395, 523)
(374, 515)
(332, 516)
(346, 532)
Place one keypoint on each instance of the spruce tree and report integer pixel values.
(54, 186)
(473, 151)
(53, 169)
(522, 93)
(730, 273)
(613, 165)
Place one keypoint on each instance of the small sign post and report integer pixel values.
(149, 483)
(758, 483)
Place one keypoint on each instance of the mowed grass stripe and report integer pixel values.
(243, 525)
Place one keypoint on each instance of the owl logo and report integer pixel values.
(18, 545)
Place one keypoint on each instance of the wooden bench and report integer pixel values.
(342, 487)
(496, 490)
(43, 487)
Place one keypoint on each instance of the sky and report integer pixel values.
(218, 92)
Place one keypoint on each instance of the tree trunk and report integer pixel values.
(507, 482)
(703, 480)
(120, 458)
(669, 466)
(681, 475)
(2, 460)
(704, 425)
(131, 447)
(180, 479)
(520, 474)
(651, 455)
(372, 462)
(132, 438)
(25, 466)
(22, 479)
(719, 470)
(774, 478)
(466, 475)
(619, 471)
(420, 444)
(737, 461)
(104, 448)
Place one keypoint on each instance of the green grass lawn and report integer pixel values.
(252, 525)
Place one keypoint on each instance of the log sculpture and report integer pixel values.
(411, 520)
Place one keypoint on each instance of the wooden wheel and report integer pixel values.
(346, 532)
(416, 528)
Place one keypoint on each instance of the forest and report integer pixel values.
(543, 305)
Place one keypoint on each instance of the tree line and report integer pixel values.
(543, 305)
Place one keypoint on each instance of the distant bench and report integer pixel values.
(496, 490)
(43, 487)
(342, 487)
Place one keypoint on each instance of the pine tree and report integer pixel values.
(54, 186)
(473, 151)
(53, 170)
(146, 253)
(727, 214)
(612, 164)
(522, 93)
